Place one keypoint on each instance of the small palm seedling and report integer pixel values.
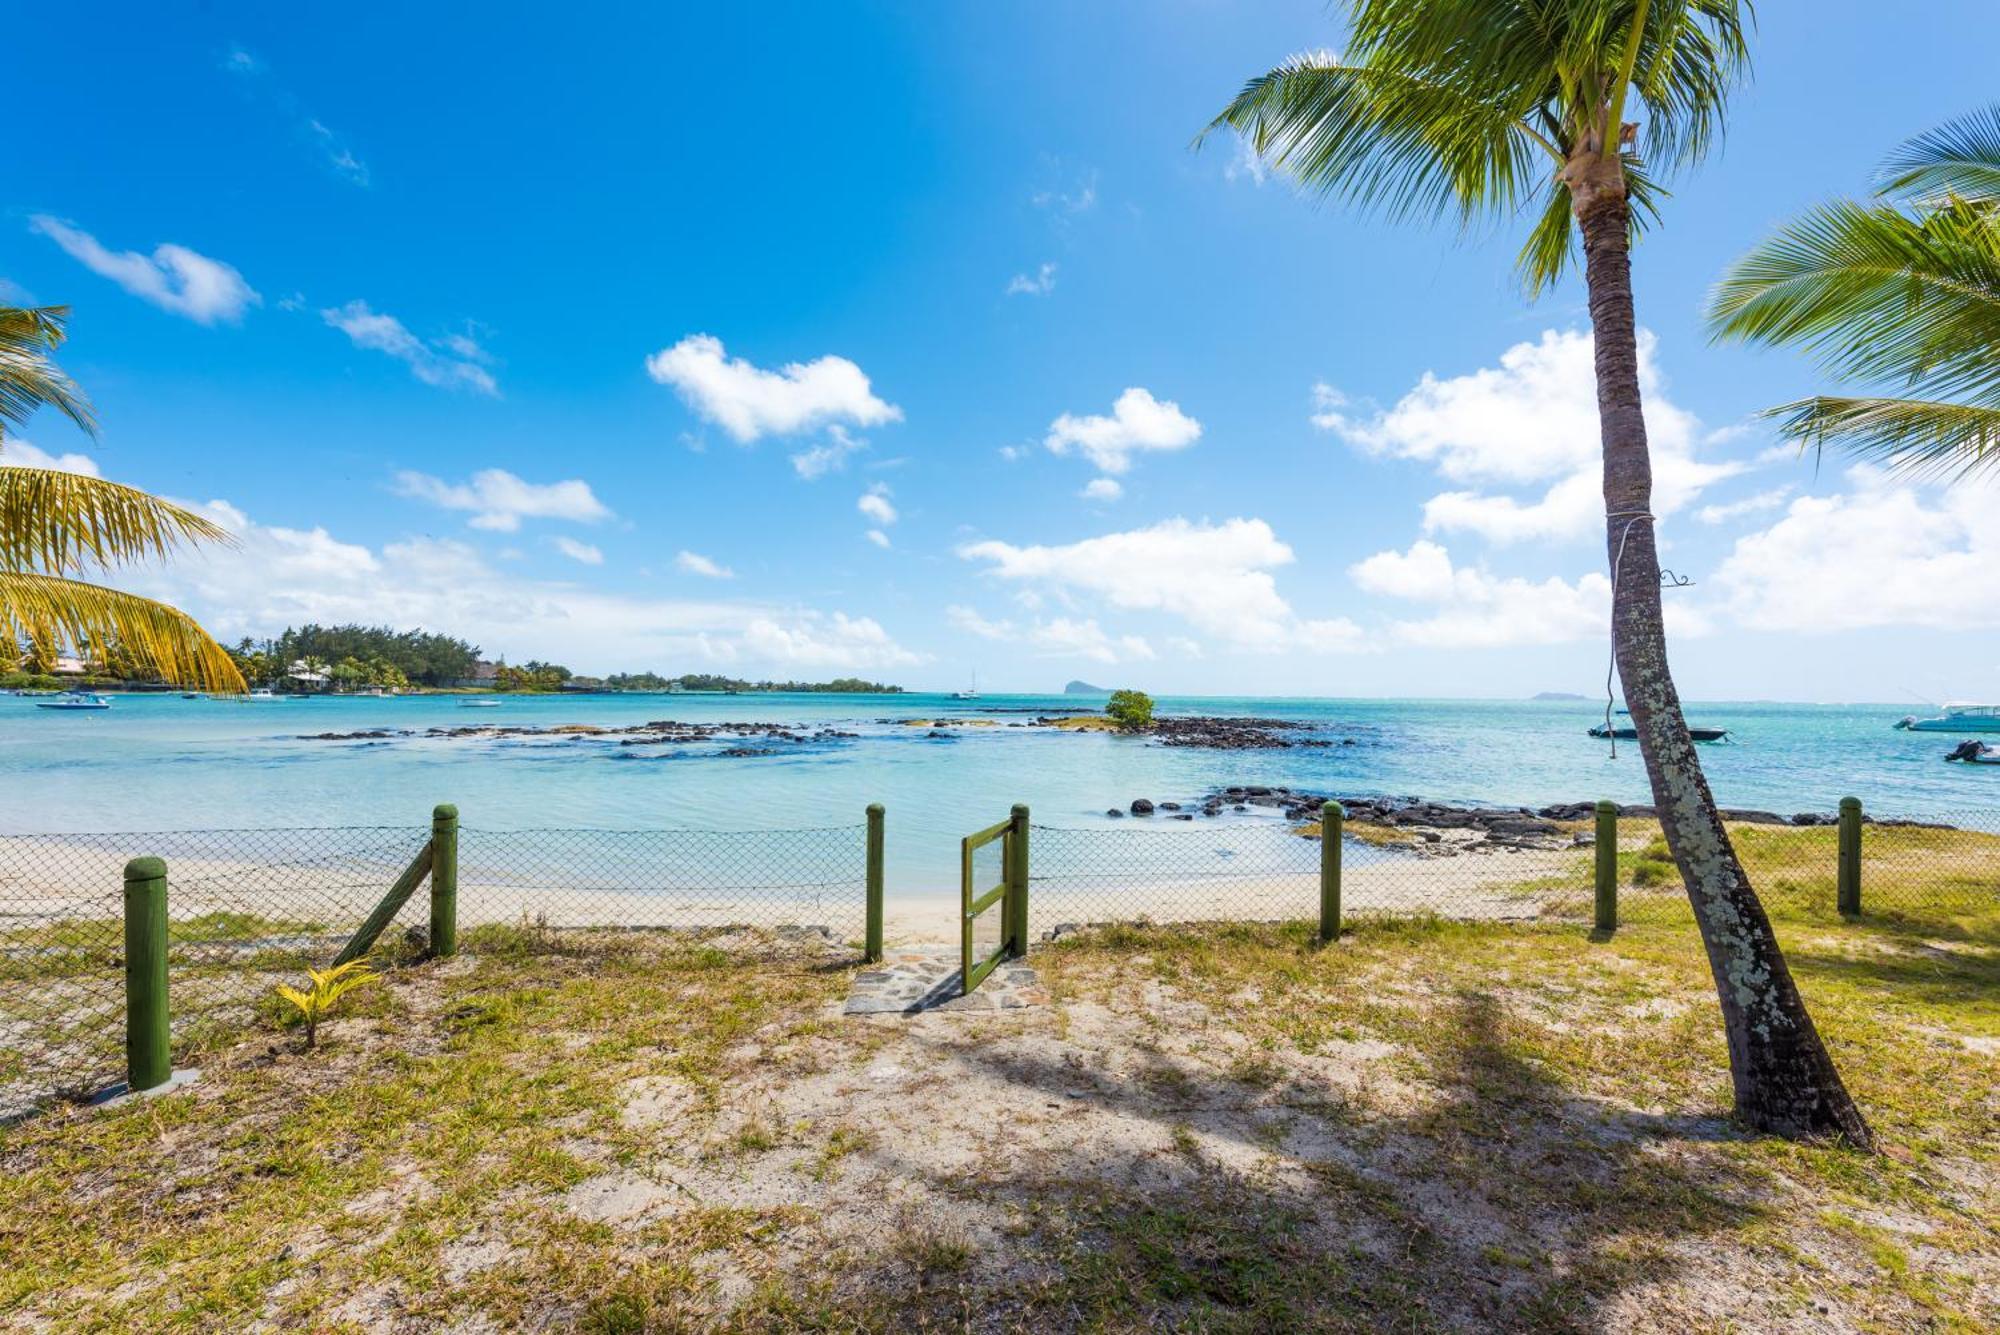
(328, 987)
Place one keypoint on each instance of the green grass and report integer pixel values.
(1428, 1124)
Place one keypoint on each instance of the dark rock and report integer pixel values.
(1114, 813)
(1142, 806)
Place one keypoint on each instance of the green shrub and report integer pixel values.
(1130, 709)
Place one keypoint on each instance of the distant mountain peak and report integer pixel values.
(1085, 688)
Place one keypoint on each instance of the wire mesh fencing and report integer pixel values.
(246, 910)
(249, 909)
(711, 883)
(1269, 871)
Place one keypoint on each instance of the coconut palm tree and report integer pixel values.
(1474, 108)
(1902, 292)
(55, 525)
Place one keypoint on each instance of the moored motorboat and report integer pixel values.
(1958, 716)
(1627, 734)
(74, 700)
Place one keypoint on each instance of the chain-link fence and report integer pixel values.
(709, 882)
(248, 909)
(1271, 871)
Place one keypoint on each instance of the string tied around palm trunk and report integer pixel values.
(1630, 517)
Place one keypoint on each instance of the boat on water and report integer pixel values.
(969, 693)
(478, 704)
(74, 700)
(1958, 716)
(1975, 752)
(1630, 734)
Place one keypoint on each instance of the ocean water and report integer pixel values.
(158, 762)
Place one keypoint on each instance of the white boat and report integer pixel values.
(478, 704)
(262, 694)
(969, 693)
(1958, 716)
(74, 700)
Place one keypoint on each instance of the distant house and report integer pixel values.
(483, 674)
(69, 665)
(306, 675)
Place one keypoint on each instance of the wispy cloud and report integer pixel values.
(455, 361)
(1039, 284)
(694, 563)
(329, 145)
(828, 456)
(579, 551)
(173, 277)
(499, 500)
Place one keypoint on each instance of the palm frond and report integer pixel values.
(1917, 437)
(28, 379)
(1692, 56)
(58, 522)
(1877, 295)
(47, 609)
(1389, 138)
(1552, 247)
(1959, 159)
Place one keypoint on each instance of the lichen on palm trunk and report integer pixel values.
(1785, 1081)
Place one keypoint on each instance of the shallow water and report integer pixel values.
(160, 762)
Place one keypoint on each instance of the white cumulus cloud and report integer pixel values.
(1138, 423)
(1057, 637)
(1102, 489)
(875, 504)
(750, 402)
(1471, 608)
(1217, 577)
(1882, 554)
(1530, 422)
(173, 277)
(18, 453)
(453, 362)
(499, 500)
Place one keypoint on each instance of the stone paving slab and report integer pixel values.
(911, 980)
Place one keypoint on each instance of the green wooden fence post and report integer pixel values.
(1017, 891)
(1849, 880)
(1332, 817)
(1607, 866)
(444, 880)
(148, 1048)
(872, 947)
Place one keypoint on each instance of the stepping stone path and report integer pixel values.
(926, 978)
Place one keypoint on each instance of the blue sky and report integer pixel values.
(913, 340)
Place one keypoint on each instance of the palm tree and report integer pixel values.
(54, 525)
(1470, 108)
(1904, 298)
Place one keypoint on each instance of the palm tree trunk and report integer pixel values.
(1785, 1080)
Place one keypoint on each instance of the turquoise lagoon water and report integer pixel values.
(158, 762)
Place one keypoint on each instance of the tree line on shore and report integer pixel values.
(354, 657)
